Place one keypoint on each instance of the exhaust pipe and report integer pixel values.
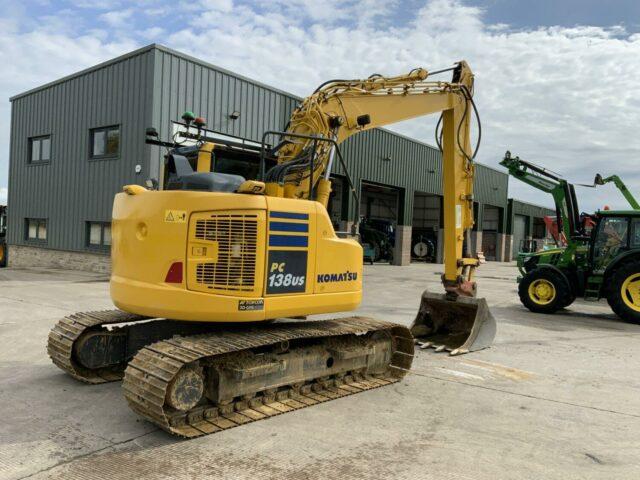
(458, 325)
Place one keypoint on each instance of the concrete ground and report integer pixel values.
(555, 397)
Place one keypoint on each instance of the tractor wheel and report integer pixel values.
(624, 295)
(3, 254)
(543, 290)
(571, 298)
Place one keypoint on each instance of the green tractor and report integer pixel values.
(601, 263)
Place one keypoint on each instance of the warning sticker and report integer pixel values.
(458, 216)
(175, 216)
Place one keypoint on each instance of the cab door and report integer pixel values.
(611, 239)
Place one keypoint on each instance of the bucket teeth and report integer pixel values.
(458, 351)
(459, 326)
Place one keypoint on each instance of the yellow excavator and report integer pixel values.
(213, 274)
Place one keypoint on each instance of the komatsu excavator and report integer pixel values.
(203, 265)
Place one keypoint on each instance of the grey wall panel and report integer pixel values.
(523, 208)
(490, 186)
(181, 84)
(414, 166)
(72, 189)
(529, 210)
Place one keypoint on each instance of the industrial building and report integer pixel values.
(76, 141)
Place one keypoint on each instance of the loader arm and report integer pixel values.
(620, 186)
(563, 193)
(339, 109)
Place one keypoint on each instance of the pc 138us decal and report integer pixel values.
(286, 271)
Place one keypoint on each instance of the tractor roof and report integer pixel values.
(618, 213)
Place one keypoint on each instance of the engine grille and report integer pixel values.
(237, 243)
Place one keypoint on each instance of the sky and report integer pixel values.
(556, 80)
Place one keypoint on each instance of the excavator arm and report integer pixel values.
(339, 109)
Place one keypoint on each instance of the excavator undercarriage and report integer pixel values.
(201, 379)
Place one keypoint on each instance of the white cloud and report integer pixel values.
(563, 97)
(217, 5)
(96, 4)
(153, 33)
(117, 18)
(3, 196)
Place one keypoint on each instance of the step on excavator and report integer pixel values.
(213, 274)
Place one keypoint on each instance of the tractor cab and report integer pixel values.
(616, 235)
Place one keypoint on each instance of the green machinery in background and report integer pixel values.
(3, 236)
(378, 238)
(601, 262)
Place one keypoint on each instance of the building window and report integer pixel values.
(105, 142)
(40, 149)
(99, 235)
(36, 230)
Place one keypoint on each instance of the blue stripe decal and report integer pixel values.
(292, 215)
(288, 227)
(288, 241)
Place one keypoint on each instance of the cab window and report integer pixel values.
(612, 238)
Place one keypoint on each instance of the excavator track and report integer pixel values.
(65, 334)
(202, 384)
(94, 347)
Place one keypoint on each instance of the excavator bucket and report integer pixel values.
(459, 326)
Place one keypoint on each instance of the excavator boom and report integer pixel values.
(339, 109)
